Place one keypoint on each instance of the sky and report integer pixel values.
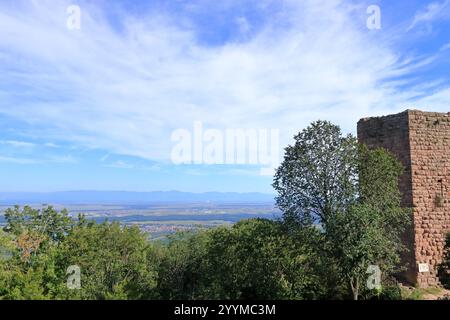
(106, 95)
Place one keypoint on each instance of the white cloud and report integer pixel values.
(51, 145)
(18, 160)
(445, 47)
(433, 11)
(46, 160)
(18, 144)
(119, 164)
(104, 157)
(126, 91)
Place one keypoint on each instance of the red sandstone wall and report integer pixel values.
(421, 140)
(430, 160)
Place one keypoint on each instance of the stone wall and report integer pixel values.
(421, 141)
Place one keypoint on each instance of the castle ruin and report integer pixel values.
(421, 141)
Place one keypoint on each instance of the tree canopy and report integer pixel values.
(351, 193)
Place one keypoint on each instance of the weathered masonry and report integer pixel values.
(421, 141)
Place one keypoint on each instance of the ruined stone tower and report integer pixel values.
(421, 141)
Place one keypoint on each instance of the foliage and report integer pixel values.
(444, 267)
(32, 278)
(255, 259)
(112, 259)
(351, 193)
(181, 268)
(46, 222)
(318, 175)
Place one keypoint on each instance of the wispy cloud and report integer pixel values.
(46, 160)
(67, 159)
(104, 157)
(445, 47)
(18, 144)
(433, 11)
(18, 160)
(242, 172)
(123, 87)
(122, 164)
(119, 164)
(51, 145)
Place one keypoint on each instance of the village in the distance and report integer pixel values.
(157, 219)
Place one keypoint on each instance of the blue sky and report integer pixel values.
(96, 107)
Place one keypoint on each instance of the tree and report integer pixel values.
(360, 242)
(26, 274)
(256, 259)
(47, 222)
(253, 259)
(368, 232)
(6, 246)
(182, 268)
(351, 193)
(113, 261)
(318, 176)
(32, 241)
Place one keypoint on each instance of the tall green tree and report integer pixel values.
(318, 176)
(350, 193)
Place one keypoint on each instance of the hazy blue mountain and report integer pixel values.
(127, 197)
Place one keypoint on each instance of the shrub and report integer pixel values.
(444, 267)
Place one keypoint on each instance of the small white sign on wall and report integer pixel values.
(423, 267)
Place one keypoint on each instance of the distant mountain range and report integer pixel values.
(128, 197)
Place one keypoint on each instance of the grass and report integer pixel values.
(419, 293)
